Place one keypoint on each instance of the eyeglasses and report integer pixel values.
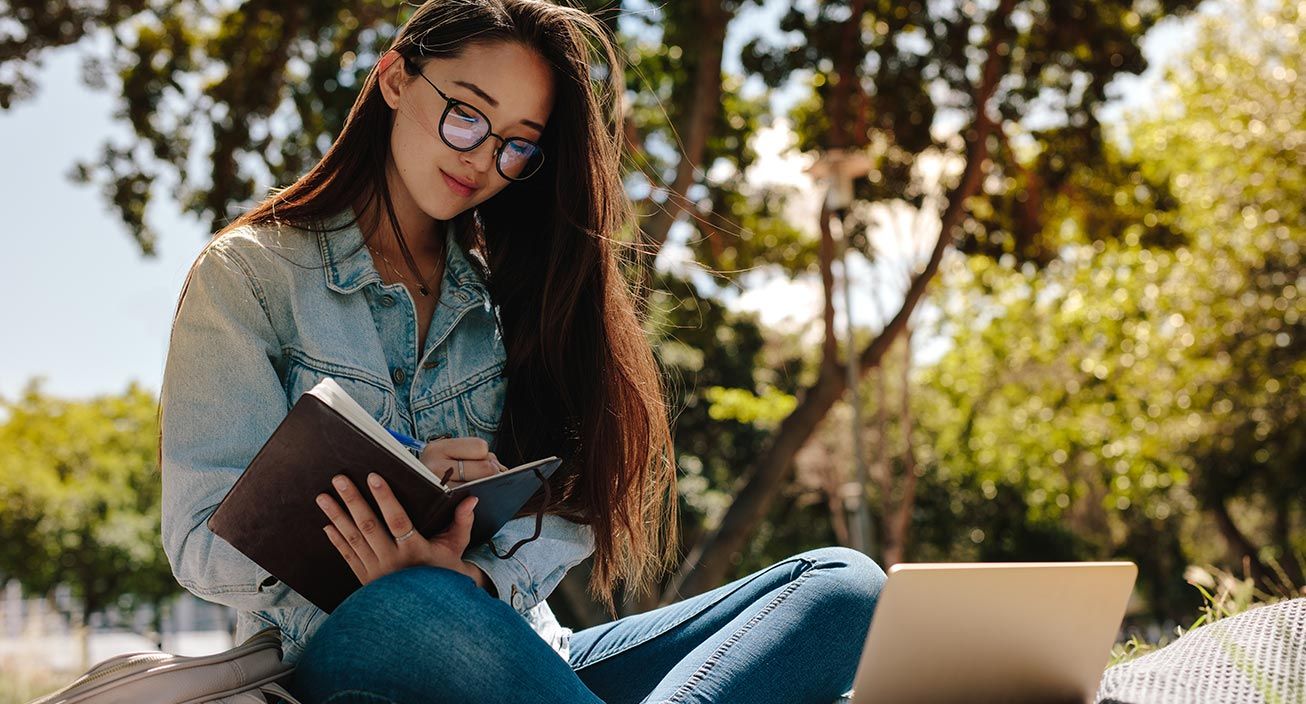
(463, 127)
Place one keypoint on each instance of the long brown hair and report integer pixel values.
(582, 379)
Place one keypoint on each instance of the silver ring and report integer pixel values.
(405, 536)
(461, 478)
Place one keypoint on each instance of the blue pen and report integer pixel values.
(407, 441)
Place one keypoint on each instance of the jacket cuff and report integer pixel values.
(512, 580)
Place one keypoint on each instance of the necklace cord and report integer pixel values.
(412, 266)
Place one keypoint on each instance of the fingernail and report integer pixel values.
(322, 500)
(374, 479)
(339, 481)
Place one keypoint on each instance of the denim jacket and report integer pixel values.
(262, 321)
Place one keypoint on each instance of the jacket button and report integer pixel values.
(517, 600)
(398, 375)
(387, 300)
(432, 363)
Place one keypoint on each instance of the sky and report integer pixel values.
(85, 311)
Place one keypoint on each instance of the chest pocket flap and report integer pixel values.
(373, 393)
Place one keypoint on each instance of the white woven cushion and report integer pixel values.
(1258, 656)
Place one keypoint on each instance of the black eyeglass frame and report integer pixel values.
(450, 102)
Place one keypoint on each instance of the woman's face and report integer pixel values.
(508, 82)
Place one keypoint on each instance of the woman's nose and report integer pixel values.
(482, 157)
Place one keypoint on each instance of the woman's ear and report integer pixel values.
(390, 75)
(388, 58)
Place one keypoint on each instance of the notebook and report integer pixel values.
(270, 513)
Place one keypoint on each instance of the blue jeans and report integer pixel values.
(792, 632)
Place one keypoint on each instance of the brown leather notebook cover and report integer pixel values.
(270, 513)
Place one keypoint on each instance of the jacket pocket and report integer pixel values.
(482, 403)
(373, 393)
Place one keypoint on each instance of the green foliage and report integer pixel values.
(748, 228)
(765, 410)
(1231, 139)
(1131, 392)
(899, 85)
(701, 346)
(80, 488)
(1126, 348)
(48, 24)
(257, 90)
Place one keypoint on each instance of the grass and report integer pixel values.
(1223, 595)
(23, 684)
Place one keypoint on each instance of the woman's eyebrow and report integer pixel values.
(494, 103)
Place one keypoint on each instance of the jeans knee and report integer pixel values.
(857, 577)
(411, 586)
(424, 619)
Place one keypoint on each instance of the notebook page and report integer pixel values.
(337, 398)
(519, 468)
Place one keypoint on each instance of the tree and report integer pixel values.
(258, 91)
(80, 489)
(1140, 394)
(881, 90)
(1230, 139)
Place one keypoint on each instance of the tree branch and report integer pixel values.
(708, 562)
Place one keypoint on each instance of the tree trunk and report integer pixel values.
(157, 622)
(709, 561)
(898, 521)
(34, 623)
(83, 635)
(825, 259)
(884, 470)
(1242, 547)
(880, 467)
(1292, 569)
(832, 485)
(572, 590)
(1029, 215)
(848, 128)
(694, 127)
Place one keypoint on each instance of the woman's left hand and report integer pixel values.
(371, 547)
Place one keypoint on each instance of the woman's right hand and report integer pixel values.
(442, 455)
(374, 547)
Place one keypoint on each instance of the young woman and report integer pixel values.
(450, 262)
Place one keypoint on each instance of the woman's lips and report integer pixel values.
(456, 186)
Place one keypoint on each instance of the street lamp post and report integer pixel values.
(837, 169)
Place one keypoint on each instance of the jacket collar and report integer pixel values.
(349, 265)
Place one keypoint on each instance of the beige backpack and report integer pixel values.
(245, 674)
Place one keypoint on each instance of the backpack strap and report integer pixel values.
(278, 691)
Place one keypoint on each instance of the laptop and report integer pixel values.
(993, 632)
